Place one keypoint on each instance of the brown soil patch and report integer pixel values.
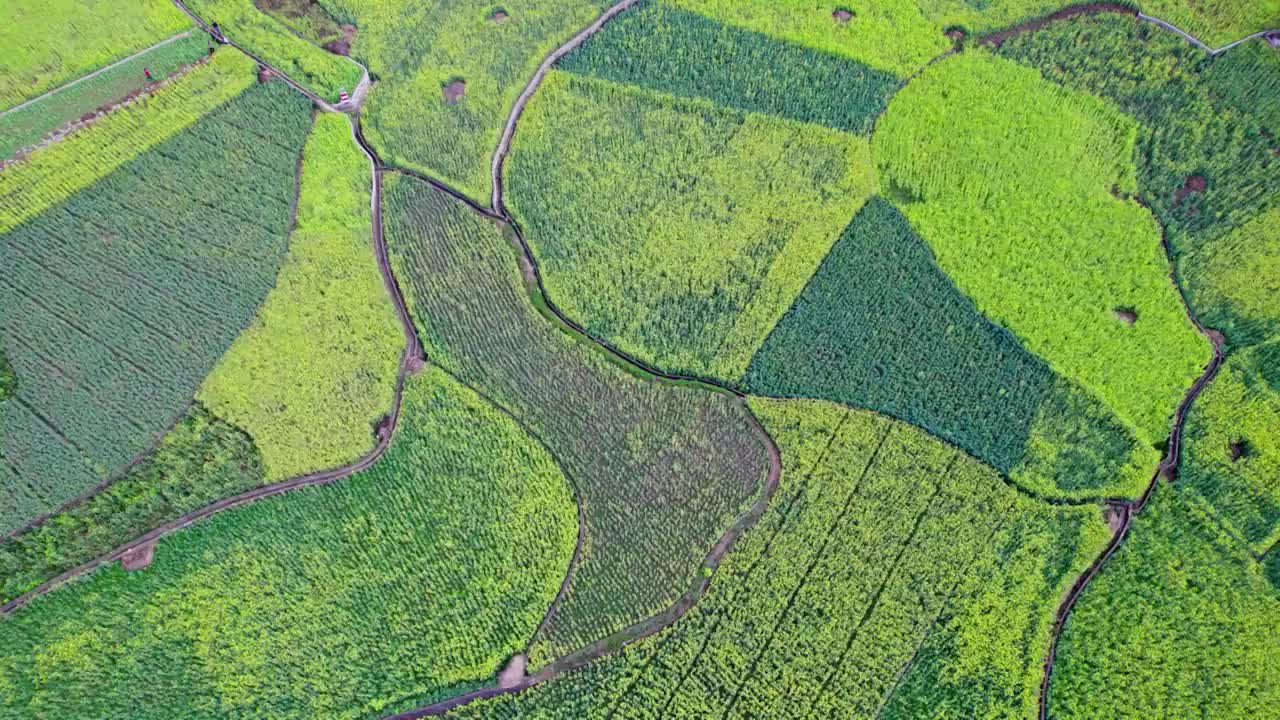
(382, 430)
(1128, 316)
(342, 46)
(453, 91)
(415, 364)
(513, 674)
(843, 15)
(1114, 519)
(955, 33)
(264, 74)
(1239, 449)
(1192, 184)
(499, 16)
(997, 39)
(138, 558)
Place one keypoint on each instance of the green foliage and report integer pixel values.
(661, 470)
(50, 42)
(884, 552)
(417, 48)
(55, 173)
(1232, 445)
(306, 18)
(312, 375)
(240, 20)
(688, 55)
(119, 300)
(880, 326)
(1217, 22)
(201, 460)
(8, 378)
(26, 126)
(1217, 120)
(1180, 624)
(701, 225)
(424, 572)
(1016, 200)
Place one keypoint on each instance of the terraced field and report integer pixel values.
(649, 359)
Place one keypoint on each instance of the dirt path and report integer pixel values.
(509, 130)
(1167, 469)
(95, 73)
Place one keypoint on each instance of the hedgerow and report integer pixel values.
(685, 54)
(201, 460)
(322, 72)
(50, 42)
(416, 49)
(8, 378)
(26, 126)
(661, 470)
(1016, 200)
(1206, 148)
(884, 551)
(310, 378)
(55, 173)
(119, 300)
(1180, 623)
(701, 226)
(421, 574)
(1232, 455)
(880, 326)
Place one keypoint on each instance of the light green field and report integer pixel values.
(1016, 200)
(312, 375)
(700, 226)
(424, 572)
(50, 42)
(1217, 22)
(1235, 280)
(58, 171)
(417, 48)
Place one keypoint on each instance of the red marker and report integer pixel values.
(147, 72)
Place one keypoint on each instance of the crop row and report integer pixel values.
(660, 470)
(421, 574)
(892, 577)
(141, 281)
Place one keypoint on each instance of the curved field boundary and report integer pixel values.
(352, 104)
(509, 130)
(95, 73)
(1167, 469)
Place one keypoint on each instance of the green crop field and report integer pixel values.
(976, 187)
(880, 326)
(1182, 624)
(419, 49)
(119, 298)
(313, 374)
(945, 613)
(653, 359)
(685, 253)
(424, 573)
(660, 470)
(49, 43)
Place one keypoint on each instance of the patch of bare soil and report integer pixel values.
(1239, 449)
(454, 90)
(1127, 315)
(342, 46)
(382, 429)
(1114, 519)
(1193, 184)
(499, 15)
(955, 33)
(996, 39)
(842, 14)
(416, 364)
(265, 74)
(513, 674)
(138, 558)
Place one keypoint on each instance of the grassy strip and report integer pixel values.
(323, 73)
(57, 172)
(702, 226)
(880, 326)
(1017, 202)
(25, 127)
(418, 49)
(312, 375)
(50, 42)
(885, 555)
(423, 572)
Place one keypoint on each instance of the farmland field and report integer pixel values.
(946, 610)
(424, 573)
(661, 470)
(48, 43)
(143, 278)
(650, 359)
(314, 373)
